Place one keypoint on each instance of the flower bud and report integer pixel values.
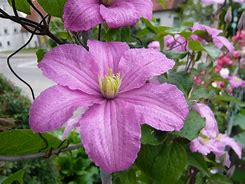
(241, 23)
(228, 15)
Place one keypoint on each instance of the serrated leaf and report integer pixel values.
(193, 124)
(22, 5)
(53, 7)
(17, 176)
(164, 163)
(24, 141)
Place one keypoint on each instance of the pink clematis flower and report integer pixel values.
(210, 140)
(219, 41)
(82, 15)
(112, 81)
(175, 43)
(236, 82)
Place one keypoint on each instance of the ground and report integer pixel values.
(25, 65)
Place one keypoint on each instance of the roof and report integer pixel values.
(169, 5)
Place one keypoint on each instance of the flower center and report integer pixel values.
(107, 2)
(110, 84)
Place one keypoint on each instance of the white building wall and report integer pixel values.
(11, 37)
(166, 18)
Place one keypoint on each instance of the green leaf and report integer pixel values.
(175, 55)
(195, 46)
(239, 119)
(201, 93)
(40, 54)
(193, 124)
(151, 136)
(219, 179)
(17, 176)
(53, 7)
(197, 160)
(203, 34)
(182, 79)
(164, 163)
(126, 177)
(24, 141)
(229, 99)
(22, 5)
(212, 51)
(241, 138)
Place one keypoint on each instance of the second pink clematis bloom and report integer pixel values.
(112, 80)
(210, 140)
(82, 15)
(219, 41)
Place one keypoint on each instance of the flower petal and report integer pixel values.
(160, 106)
(111, 135)
(227, 141)
(221, 41)
(119, 14)
(55, 106)
(107, 54)
(139, 65)
(211, 126)
(197, 146)
(72, 66)
(143, 7)
(82, 15)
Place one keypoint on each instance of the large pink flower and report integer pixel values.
(210, 140)
(219, 41)
(82, 15)
(112, 80)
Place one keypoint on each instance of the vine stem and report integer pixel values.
(40, 154)
(105, 177)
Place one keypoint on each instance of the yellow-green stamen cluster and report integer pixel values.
(110, 84)
(205, 139)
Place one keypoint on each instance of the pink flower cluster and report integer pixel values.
(180, 44)
(239, 38)
(210, 140)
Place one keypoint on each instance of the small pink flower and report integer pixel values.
(175, 43)
(236, 54)
(197, 80)
(154, 45)
(82, 15)
(219, 41)
(235, 82)
(218, 84)
(210, 140)
(111, 80)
